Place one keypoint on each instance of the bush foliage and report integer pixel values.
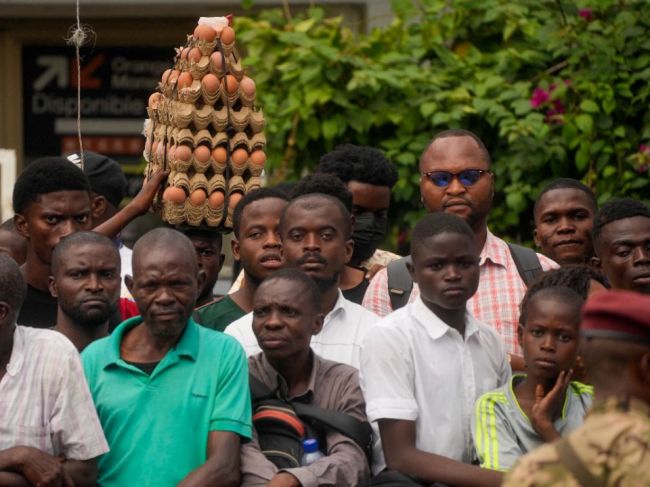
(554, 88)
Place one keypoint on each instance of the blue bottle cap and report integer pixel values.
(310, 446)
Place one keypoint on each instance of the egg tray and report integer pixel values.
(182, 115)
(177, 213)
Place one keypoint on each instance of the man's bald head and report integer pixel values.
(167, 240)
(314, 201)
(12, 287)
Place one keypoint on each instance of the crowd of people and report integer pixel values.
(331, 362)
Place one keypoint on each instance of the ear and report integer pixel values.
(51, 284)
(319, 319)
(128, 280)
(596, 263)
(536, 239)
(234, 247)
(201, 278)
(349, 249)
(20, 222)
(411, 269)
(5, 310)
(520, 333)
(98, 207)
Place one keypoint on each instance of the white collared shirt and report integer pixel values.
(340, 340)
(44, 398)
(416, 368)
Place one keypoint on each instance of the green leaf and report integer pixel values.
(330, 128)
(589, 106)
(584, 123)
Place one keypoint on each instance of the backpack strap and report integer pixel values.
(570, 459)
(259, 390)
(400, 283)
(359, 431)
(526, 261)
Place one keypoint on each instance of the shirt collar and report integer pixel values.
(495, 250)
(17, 353)
(280, 384)
(435, 327)
(339, 307)
(187, 345)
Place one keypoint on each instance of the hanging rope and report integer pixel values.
(78, 35)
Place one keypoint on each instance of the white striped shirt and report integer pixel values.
(44, 398)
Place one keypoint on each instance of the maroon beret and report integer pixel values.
(618, 315)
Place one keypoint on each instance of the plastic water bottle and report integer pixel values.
(311, 452)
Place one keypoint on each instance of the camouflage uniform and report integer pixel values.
(613, 444)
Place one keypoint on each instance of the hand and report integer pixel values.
(546, 406)
(143, 200)
(284, 479)
(370, 273)
(41, 469)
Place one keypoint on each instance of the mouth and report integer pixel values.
(456, 203)
(643, 279)
(544, 363)
(569, 243)
(270, 343)
(454, 291)
(94, 302)
(166, 315)
(271, 261)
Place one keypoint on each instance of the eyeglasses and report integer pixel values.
(468, 177)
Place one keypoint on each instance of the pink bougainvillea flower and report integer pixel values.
(585, 13)
(644, 148)
(539, 97)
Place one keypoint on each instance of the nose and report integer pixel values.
(642, 255)
(548, 343)
(452, 274)
(272, 240)
(67, 227)
(565, 225)
(311, 242)
(164, 296)
(94, 283)
(273, 321)
(455, 186)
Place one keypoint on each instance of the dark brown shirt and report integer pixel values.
(332, 386)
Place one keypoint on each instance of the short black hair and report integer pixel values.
(359, 163)
(311, 201)
(617, 209)
(252, 197)
(47, 175)
(78, 239)
(202, 230)
(567, 183)
(295, 275)
(13, 288)
(461, 133)
(436, 223)
(322, 183)
(575, 278)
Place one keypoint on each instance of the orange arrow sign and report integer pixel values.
(87, 81)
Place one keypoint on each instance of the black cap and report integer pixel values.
(105, 175)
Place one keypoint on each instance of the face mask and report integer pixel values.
(369, 230)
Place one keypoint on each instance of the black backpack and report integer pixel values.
(282, 425)
(400, 283)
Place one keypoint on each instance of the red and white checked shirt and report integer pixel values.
(496, 302)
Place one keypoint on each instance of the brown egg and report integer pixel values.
(185, 52)
(216, 199)
(171, 153)
(198, 196)
(231, 84)
(247, 86)
(205, 33)
(165, 76)
(220, 154)
(154, 99)
(185, 80)
(202, 153)
(217, 61)
(174, 195)
(258, 157)
(239, 157)
(183, 153)
(228, 35)
(210, 83)
(173, 76)
(154, 147)
(233, 199)
(194, 55)
(147, 146)
(160, 153)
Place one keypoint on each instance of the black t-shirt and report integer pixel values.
(355, 294)
(39, 309)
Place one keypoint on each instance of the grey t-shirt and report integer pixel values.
(502, 432)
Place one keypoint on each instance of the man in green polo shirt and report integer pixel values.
(172, 396)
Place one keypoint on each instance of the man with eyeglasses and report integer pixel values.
(456, 178)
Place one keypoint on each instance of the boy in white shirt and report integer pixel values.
(424, 365)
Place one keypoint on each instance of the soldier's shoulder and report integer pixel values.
(540, 468)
